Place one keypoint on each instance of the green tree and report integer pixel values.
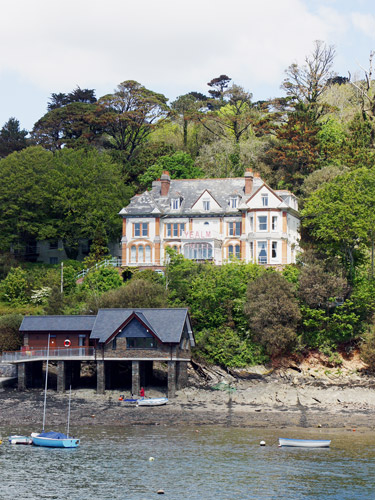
(84, 190)
(73, 125)
(102, 279)
(340, 217)
(24, 177)
(180, 165)
(12, 138)
(225, 347)
(273, 312)
(129, 115)
(14, 288)
(296, 152)
(10, 337)
(59, 196)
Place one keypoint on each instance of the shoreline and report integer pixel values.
(263, 403)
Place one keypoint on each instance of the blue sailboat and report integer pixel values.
(54, 439)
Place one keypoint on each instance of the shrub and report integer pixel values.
(368, 348)
(10, 337)
(272, 311)
(224, 347)
(102, 280)
(13, 288)
(135, 293)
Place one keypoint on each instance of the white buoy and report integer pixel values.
(262, 443)
(151, 459)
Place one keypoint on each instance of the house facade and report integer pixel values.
(214, 220)
(118, 341)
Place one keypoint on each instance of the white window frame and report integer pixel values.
(234, 228)
(175, 203)
(233, 201)
(264, 197)
(274, 222)
(206, 205)
(262, 223)
(274, 249)
(262, 245)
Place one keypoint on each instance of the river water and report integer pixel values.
(191, 463)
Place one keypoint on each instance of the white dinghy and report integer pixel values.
(152, 401)
(305, 443)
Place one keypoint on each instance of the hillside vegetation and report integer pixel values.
(86, 156)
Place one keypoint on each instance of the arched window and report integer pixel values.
(140, 253)
(133, 254)
(148, 253)
(230, 251)
(237, 251)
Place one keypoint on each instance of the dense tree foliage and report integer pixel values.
(90, 155)
(59, 196)
(12, 138)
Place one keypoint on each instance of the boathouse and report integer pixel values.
(120, 343)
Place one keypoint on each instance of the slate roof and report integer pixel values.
(189, 191)
(167, 324)
(57, 323)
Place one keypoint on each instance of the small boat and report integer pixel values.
(20, 439)
(152, 401)
(55, 440)
(305, 443)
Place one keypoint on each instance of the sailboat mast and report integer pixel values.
(70, 397)
(45, 386)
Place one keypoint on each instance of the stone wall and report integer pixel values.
(8, 370)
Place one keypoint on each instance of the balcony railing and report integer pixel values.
(54, 354)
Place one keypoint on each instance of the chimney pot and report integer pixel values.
(165, 181)
(248, 181)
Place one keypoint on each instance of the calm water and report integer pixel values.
(213, 463)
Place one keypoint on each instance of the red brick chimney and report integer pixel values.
(165, 183)
(248, 181)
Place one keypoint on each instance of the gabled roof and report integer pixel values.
(166, 324)
(57, 323)
(189, 191)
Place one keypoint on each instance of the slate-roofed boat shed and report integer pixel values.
(117, 340)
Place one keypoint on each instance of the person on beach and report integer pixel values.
(142, 392)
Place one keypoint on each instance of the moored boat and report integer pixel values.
(55, 440)
(152, 401)
(16, 439)
(305, 443)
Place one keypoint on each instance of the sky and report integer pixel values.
(169, 46)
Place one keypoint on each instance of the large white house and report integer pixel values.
(211, 220)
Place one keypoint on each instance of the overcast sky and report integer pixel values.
(169, 46)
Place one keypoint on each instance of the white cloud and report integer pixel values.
(170, 46)
(364, 23)
(56, 46)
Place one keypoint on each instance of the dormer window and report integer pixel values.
(206, 205)
(233, 201)
(175, 203)
(264, 200)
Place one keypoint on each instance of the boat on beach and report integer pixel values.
(152, 401)
(305, 443)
